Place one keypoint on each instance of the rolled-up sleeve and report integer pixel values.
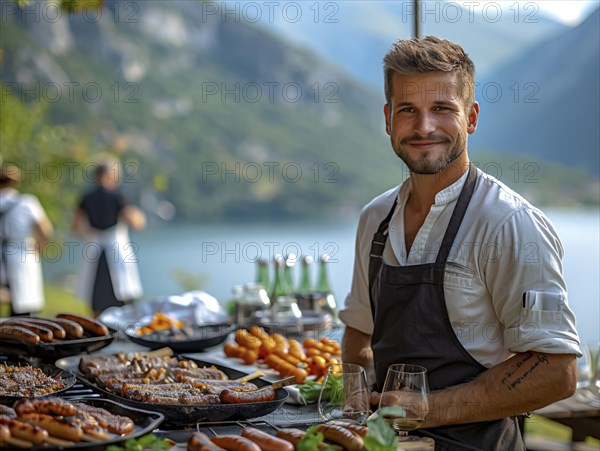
(357, 310)
(528, 290)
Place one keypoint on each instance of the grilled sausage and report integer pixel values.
(57, 330)
(49, 406)
(91, 325)
(68, 430)
(14, 332)
(73, 329)
(291, 435)
(44, 333)
(236, 397)
(344, 437)
(360, 430)
(267, 441)
(234, 443)
(200, 442)
(25, 431)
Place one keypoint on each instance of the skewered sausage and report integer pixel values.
(234, 443)
(291, 435)
(267, 441)
(200, 442)
(342, 436)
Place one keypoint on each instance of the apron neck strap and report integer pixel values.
(378, 244)
(457, 215)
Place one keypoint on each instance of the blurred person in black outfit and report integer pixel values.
(109, 273)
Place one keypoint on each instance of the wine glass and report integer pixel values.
(403, 403)
(344, 397)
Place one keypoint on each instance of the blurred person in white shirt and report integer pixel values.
(24, 231)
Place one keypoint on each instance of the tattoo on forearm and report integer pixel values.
(511, 381)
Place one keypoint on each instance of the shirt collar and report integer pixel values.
(8, 193)
(445, 196)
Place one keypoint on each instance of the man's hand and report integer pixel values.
(374, 398)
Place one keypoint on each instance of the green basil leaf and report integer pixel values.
(380, 434)
(311, 441)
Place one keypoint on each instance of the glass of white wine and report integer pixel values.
(344, 397)
(403, 403)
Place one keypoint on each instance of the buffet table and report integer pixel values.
(579, 412)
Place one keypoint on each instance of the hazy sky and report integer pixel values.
(570, 12)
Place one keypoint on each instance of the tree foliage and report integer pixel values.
(52, 158)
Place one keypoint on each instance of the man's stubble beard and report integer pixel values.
(423, 165)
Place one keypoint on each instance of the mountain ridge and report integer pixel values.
(220, 118)
(559, 100)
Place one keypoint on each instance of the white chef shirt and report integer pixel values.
(20, 220)
(503, 281)
(23, 270)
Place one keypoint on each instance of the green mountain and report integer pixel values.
(217, 116)
(214, 117)
(549, 108)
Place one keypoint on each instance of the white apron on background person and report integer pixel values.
(121, 260)
(22, 270)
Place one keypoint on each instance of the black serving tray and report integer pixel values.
(180, 416)
(65, 376)
(50, 351)
(145, 421)
(201, 337)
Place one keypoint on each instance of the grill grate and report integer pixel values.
(79, 390)
(181, 436)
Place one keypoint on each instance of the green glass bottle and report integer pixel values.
(305, 293)
(290, 262)
(305, 286)
(285, 313)
(262, 273)
(279, 288)
(325, 293)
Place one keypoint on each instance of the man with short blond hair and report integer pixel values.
(454, 271)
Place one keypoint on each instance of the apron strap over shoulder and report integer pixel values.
(457, 215)
(376, 254)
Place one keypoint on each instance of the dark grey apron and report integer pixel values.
(412, 326)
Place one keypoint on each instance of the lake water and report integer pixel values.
(224, 255)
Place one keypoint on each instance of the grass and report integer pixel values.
(543, 427)
(548, 429)
(57, 300)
